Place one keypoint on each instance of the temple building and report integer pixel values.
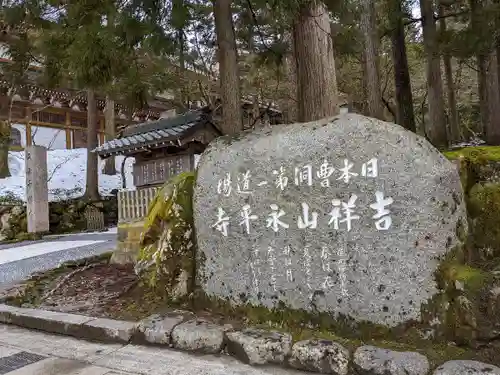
(163, 148)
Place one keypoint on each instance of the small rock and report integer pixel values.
(259, 347)
(466, 368)
(463, 315)
(459, 285)
(494, 302)
(369, 360)
(324, 356)
(157, 329)
(4, 225)
(198, 336)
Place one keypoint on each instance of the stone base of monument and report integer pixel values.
(128, 244)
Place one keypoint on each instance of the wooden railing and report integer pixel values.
(133, 205)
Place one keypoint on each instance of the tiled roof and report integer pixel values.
(153, 134)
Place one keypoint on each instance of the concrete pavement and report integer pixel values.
(25, 352)
(19, 260)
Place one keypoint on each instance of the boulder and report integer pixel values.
(157, 329)
(466, 368)
(4, 225)
(259, 347)
(323, 356)
(349, 215)
(369, 360)
(198, 336)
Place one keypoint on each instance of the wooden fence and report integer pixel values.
(133, 205)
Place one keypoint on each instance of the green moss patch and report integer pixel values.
(484, 210)
(491, 153)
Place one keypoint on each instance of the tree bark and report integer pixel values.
(110, 133)
(232, 118)
(182, 65)
(483, 92)
(492, 128)
(291, 112)
(256, 117)
(436, 124)
(316, 77)
(375, 106)
(405, 115)
(454, 131)
(475, 20)
(92, 185)
(4, 149)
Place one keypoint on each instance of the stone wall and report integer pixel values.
(64, 217)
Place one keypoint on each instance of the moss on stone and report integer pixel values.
(304, 325)
(491, 153)
(456, 312)
(484, 210)
(168, 245)
(301, 323)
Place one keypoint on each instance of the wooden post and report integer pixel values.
(28, 127)
(69, 143)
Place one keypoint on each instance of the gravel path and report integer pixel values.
(19, 260)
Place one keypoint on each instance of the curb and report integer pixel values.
(267, 348)
(79, 326)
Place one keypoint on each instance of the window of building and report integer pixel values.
(78, 121)
(49, 117)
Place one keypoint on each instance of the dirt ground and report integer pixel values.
(100, 289)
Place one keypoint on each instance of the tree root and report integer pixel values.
(51, 292)
(117, 295)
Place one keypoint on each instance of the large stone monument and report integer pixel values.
(349, 216)
(37, 189)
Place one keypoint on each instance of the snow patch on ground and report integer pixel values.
(66, 172)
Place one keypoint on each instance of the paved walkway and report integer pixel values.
(19, 260)
(25, 352)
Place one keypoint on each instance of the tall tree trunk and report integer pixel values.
(405, 115)
(182, 64)
(232, 117)
(483, 92)
(492, 128)
(455, 135)
(92, 186)
(4, 149)
(436, 124)
(475, 20)
(316, 77)
(291, 77)
(375, 106)
(110, 133)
